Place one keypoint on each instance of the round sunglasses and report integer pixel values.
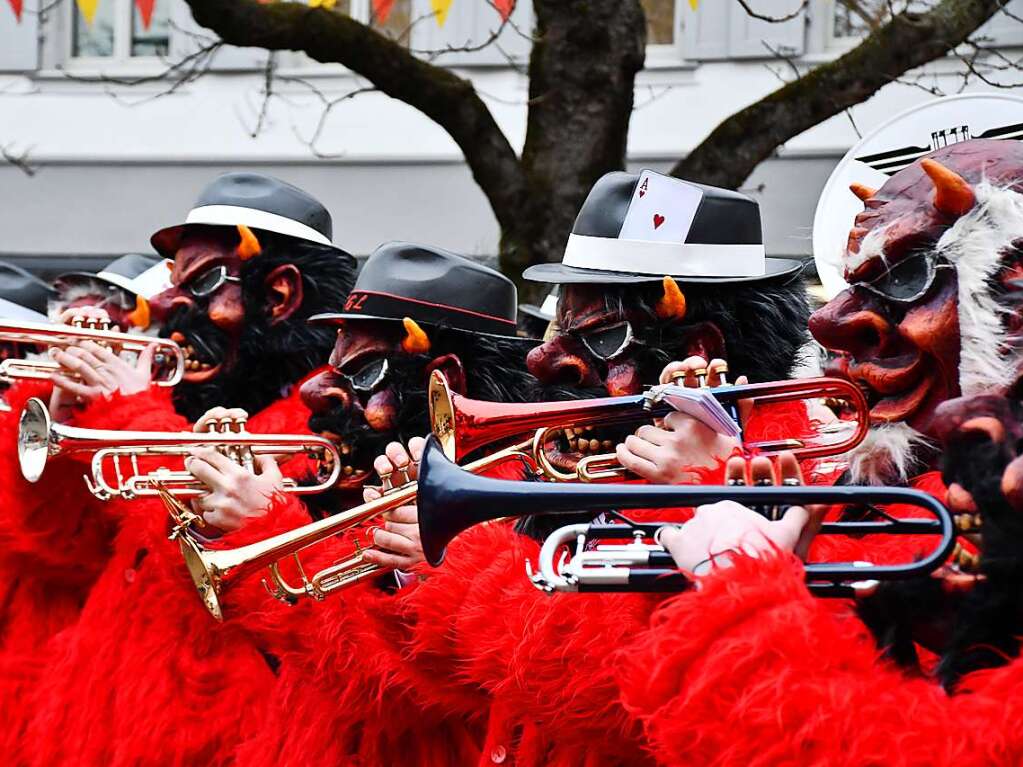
(907, 281)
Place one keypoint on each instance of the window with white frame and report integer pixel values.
(853, 19)
(113, 30)
(662, 24)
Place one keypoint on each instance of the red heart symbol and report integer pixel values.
(642, 192)
(658, 220)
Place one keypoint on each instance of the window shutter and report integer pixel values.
(753, 38)
(1002, 29)
(19, 40)
(705, 30)
(227, 58)
(470, 23)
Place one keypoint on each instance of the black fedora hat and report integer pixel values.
(256, 201)
(431, 286)
(138, 274)
(640, 227)
(24, 295)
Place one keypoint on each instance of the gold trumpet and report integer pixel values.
(169, 360)
(463, 426)
(214, 570)
(39, 440)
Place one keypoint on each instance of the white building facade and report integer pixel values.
(116, 151)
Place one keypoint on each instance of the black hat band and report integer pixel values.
(375, 304)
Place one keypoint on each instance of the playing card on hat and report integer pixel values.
(662, 209)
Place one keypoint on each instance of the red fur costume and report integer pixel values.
(469, 665)
(54, 539)
(146, 675)
(753, 670)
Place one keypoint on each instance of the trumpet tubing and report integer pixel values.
(463, 425)
(117, 453)
(169, 358)
(451, 500)
(214, 571)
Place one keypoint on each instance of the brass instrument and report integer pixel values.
(452, 500)
(169, 360)
(463, 425)
(214, 570)
(39, 440)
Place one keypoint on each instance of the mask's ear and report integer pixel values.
(452, 369)
(283, 292)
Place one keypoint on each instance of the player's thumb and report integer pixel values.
(145, 361)
(266, 465)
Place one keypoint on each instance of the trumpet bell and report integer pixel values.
(203, 575)
(33, 439)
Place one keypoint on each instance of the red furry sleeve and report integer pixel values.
(52, 527)
(753, 670)
(150, 410)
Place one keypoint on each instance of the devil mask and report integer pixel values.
(238, 307)
(414, 309)
(612, 340)
(933, 262)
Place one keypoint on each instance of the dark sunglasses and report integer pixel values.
(608, 342)
(210, 281)
(369, 377)
(907, 281)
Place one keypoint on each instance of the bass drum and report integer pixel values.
(891, 147)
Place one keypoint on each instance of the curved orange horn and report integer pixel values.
(139, 316)
(953, 195)
(416, 341)
(862, 191)
(249, 245)
(672, 303)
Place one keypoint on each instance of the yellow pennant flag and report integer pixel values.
(694, 4)
(88, 9)
(440, 10)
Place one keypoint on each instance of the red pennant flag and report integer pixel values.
(504, 7)
(382, 10)
(17, 5)
(146, 11)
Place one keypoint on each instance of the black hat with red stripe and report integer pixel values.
(431, 286)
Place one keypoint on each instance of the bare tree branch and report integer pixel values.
(441, 95)
(19, 160)
(735, 147)
(773, 19)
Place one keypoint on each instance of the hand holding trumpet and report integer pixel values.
(89, 370)
(238, 492)
(397, 541)
(719, 530)
(667, 453)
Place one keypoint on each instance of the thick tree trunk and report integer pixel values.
(582, 72)
(739, 144)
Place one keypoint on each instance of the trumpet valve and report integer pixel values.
(701, 377)
(721, 371)
(679, 378)
(385, 482)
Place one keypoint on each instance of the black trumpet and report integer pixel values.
(451, 500)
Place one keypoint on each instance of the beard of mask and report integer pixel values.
(270, 357)
(495, 371)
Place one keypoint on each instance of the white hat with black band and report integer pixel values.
(636, 228)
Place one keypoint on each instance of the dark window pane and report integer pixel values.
(660, 21)
(154, 41)
(397, 23)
